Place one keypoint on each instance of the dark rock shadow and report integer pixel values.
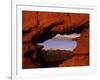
(52, 58)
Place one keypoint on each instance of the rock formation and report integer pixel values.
(81, 57)
(38, 27)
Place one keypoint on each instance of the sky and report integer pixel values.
(64, 42)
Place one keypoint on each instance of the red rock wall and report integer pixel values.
(81, 57)
(45, 25)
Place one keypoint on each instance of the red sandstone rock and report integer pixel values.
(35, 25)
(70, 21)
(27, 63)
(29, 20)
(76, 61)
(59, 22)
(82, 49)
(83, 42)
(30, 52)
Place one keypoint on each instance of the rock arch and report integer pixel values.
(40, 26)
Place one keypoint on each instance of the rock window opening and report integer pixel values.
(61, 42)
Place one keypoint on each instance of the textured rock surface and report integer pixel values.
(29, 20)
(70, 21)
(40, 26)
(81, 51)
(83, 42)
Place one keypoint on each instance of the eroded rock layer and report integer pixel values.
(38, 27)
(81, 57)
